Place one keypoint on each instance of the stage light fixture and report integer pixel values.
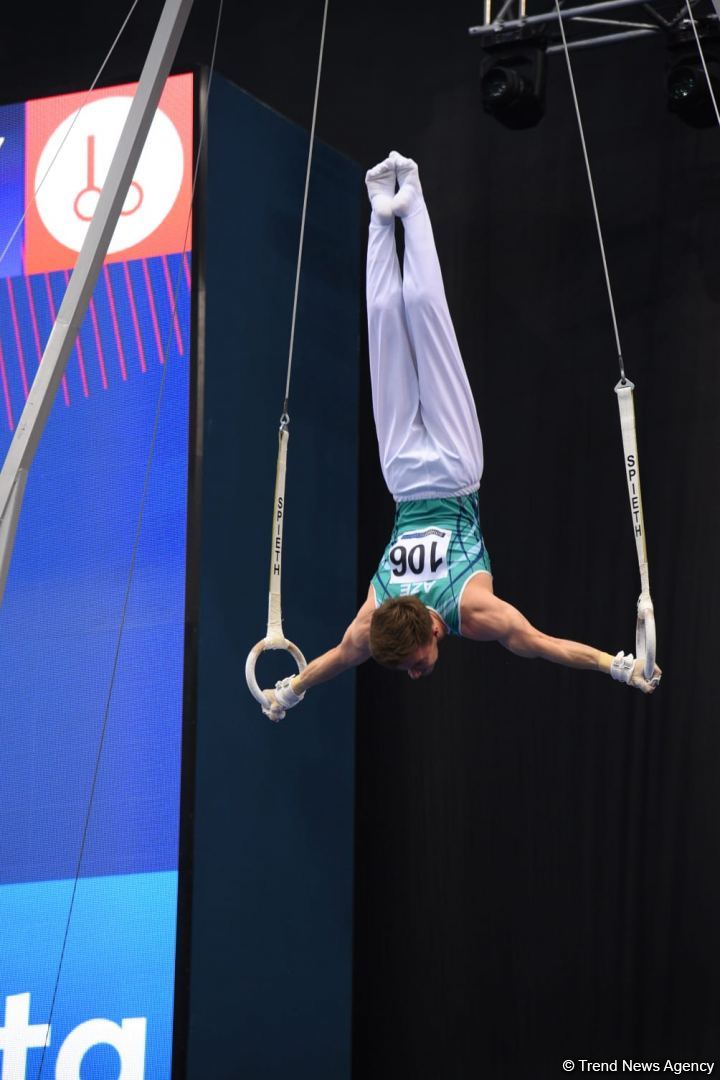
(512, 79)
(688, 95)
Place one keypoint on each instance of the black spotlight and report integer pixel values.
(512, 78)
(688, 94)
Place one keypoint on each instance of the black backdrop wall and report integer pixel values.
(537, 849)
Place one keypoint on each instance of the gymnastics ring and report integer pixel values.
(645, 635)
(267, 643)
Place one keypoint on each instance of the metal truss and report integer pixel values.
(660, 17)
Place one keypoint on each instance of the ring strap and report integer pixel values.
(274, 637)
(645, 628)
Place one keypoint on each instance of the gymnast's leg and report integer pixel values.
(393, 376)
(446, 400)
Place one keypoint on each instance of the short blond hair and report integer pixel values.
(397, 628)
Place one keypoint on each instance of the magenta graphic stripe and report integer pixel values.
(116, 329)
(173, 305)
(6, 391)
(186, 266)
(79, 348)
(133, 312)
(98, 344)
(53, 317)
(81, 365)
(33, 319)
(18, 340)
(153, 310)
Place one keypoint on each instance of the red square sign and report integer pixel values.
(70, 141)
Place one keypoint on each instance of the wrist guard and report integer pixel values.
(622, 667)
(285, 695)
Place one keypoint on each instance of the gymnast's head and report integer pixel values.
(404, 636)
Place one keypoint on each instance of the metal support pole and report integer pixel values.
(716, 5)
(602, 39)
(84, 277)
(501, 13)
(551, 16)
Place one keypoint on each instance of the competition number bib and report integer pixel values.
(420, 556)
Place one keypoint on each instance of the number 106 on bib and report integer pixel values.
(420, 556)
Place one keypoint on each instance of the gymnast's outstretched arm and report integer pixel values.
(485, 617)
(354, 649)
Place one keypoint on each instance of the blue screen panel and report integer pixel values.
(60, 619)
(114, 1005)
(92, 638)
(12, 186)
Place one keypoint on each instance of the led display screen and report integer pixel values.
(91, 733)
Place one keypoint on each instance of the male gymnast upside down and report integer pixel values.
(434, 578)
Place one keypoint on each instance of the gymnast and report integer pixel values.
(434, 578)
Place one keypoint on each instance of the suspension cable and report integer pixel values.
(285, 419)
(645, 638)
(136, 541)
(274, 636)
(592, 195)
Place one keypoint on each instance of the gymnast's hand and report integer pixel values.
(282, 698)
(273, 710)
(638, 680)
(628, 670)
